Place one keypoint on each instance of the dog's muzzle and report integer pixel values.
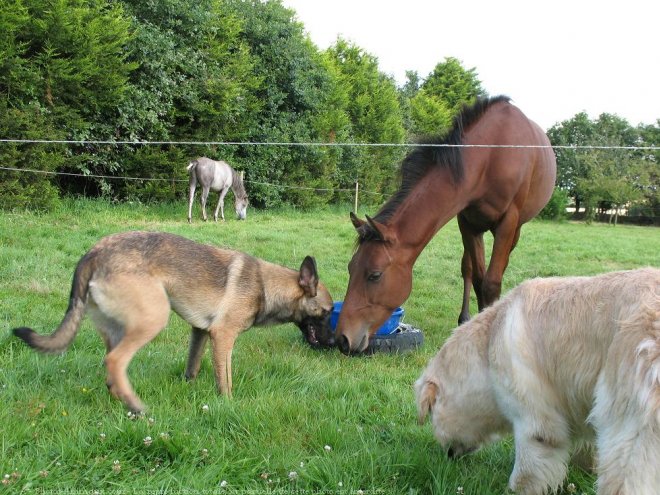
(317, 332)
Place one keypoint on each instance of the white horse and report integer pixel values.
(215, 175)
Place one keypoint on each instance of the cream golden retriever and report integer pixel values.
(569, 366)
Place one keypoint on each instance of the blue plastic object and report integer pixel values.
(387, 328)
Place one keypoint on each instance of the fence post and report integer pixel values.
(357, 187)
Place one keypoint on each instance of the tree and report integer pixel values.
(571, 166)
(62, 72)
(431, 105)
(650, 171)
(429, 115)
(195, 81)
(454, 85)
(598, 176)
(301, 102)
(375, 117)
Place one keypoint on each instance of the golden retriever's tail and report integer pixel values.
(426, 391)
(62, 337)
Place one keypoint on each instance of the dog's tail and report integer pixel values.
(426, 392)
(62, 337)
(191, 166)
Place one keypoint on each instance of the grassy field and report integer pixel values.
(300, 421)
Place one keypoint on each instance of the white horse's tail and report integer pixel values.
(191, 165)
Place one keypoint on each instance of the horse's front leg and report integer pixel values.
(221, 205)
(473, 266)
(506, 236)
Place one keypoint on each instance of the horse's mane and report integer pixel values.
(237, 184)
(421, 159)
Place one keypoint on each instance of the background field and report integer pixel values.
(315, 422)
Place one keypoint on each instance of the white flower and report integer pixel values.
(223, 483)
(340, 484)
(327, 448)
(205, 408)
(147, 441)
(293, 475)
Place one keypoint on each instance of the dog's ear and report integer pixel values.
(309, 277)
(427, 394)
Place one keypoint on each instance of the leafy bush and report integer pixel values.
(556, 207)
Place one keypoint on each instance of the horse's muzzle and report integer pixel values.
(345, 345)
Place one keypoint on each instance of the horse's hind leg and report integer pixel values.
(191, 195)
(473, 266)
(205, 195)
(466, 272)
(221, 204)
(198, 340)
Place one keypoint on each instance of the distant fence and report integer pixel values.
(356, 191)
(313, 144)
(643, 220)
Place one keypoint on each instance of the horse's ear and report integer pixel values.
(383, 231)
(309, 277)
(357, 223)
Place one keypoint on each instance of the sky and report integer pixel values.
(554, 59)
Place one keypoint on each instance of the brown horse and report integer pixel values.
(497, 185)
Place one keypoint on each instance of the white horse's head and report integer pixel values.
(241, 205)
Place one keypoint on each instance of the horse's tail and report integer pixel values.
(62, 337)
(191, 166)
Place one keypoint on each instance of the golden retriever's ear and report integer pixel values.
(426, 396)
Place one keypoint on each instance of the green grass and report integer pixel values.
(62, 430)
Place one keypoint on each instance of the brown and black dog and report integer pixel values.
(128, 283)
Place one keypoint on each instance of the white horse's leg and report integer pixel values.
(205, 195)
(191, 196)
(221, 204)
